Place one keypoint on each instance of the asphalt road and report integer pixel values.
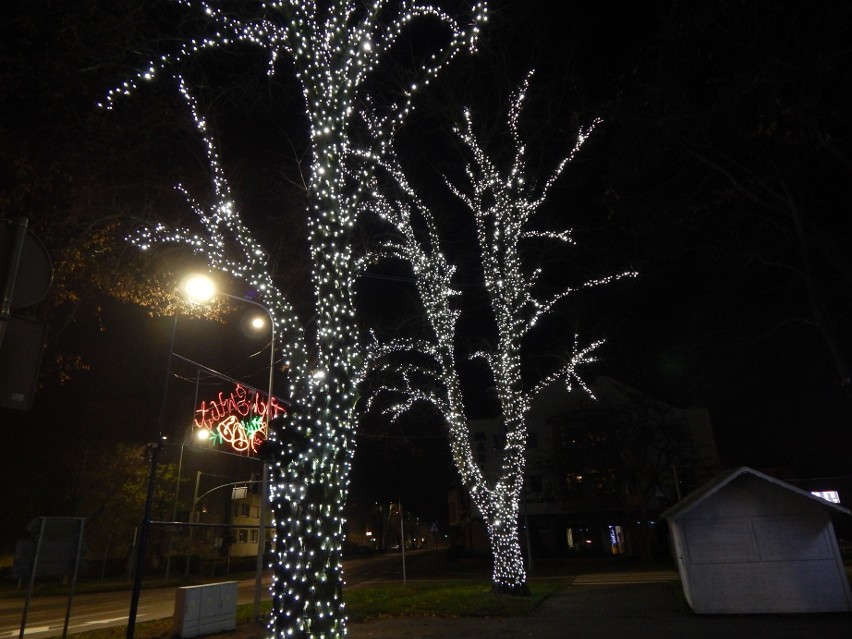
(89, 611)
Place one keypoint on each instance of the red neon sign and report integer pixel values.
(237, 419)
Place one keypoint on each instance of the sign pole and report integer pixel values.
(74, 577)
(32, 578)
(402, 542)
(12, 266)
(261, 540)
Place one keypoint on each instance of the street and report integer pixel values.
(92, 610)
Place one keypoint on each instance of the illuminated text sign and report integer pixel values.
(237, 419)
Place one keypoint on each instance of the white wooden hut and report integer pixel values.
(746, 542)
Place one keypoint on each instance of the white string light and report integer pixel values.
(333, 52)
(502, 204)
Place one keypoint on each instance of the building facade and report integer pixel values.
(598, 474)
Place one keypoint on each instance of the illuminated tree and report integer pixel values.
(502, 202)
(335, 50)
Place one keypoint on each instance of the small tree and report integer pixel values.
(105, 483)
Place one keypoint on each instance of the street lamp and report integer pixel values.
(201, 288)
(200, 435)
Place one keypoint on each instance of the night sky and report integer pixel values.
(720, 174)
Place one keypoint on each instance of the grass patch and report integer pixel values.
(442, 599)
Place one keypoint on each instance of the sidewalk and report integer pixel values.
(613, 611)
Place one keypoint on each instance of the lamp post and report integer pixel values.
(201, 288)
(145, 527)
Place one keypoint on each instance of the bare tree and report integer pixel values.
(502, 200)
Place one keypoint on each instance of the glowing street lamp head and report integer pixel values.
(258, 322)
(199, 288)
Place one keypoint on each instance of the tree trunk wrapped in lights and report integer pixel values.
(502, 202)
(334, 51)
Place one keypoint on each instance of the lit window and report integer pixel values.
(828, 495)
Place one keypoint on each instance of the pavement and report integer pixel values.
(605, 609)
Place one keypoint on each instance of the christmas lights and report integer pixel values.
(501, 202)
(242, 402)
(237, 419)
(334, 50)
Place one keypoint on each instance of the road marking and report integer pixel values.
(27, 631)
(97, 621)
(624, 578)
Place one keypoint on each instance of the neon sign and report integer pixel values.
(237, 420)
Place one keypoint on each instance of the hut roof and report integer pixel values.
(723, 479)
